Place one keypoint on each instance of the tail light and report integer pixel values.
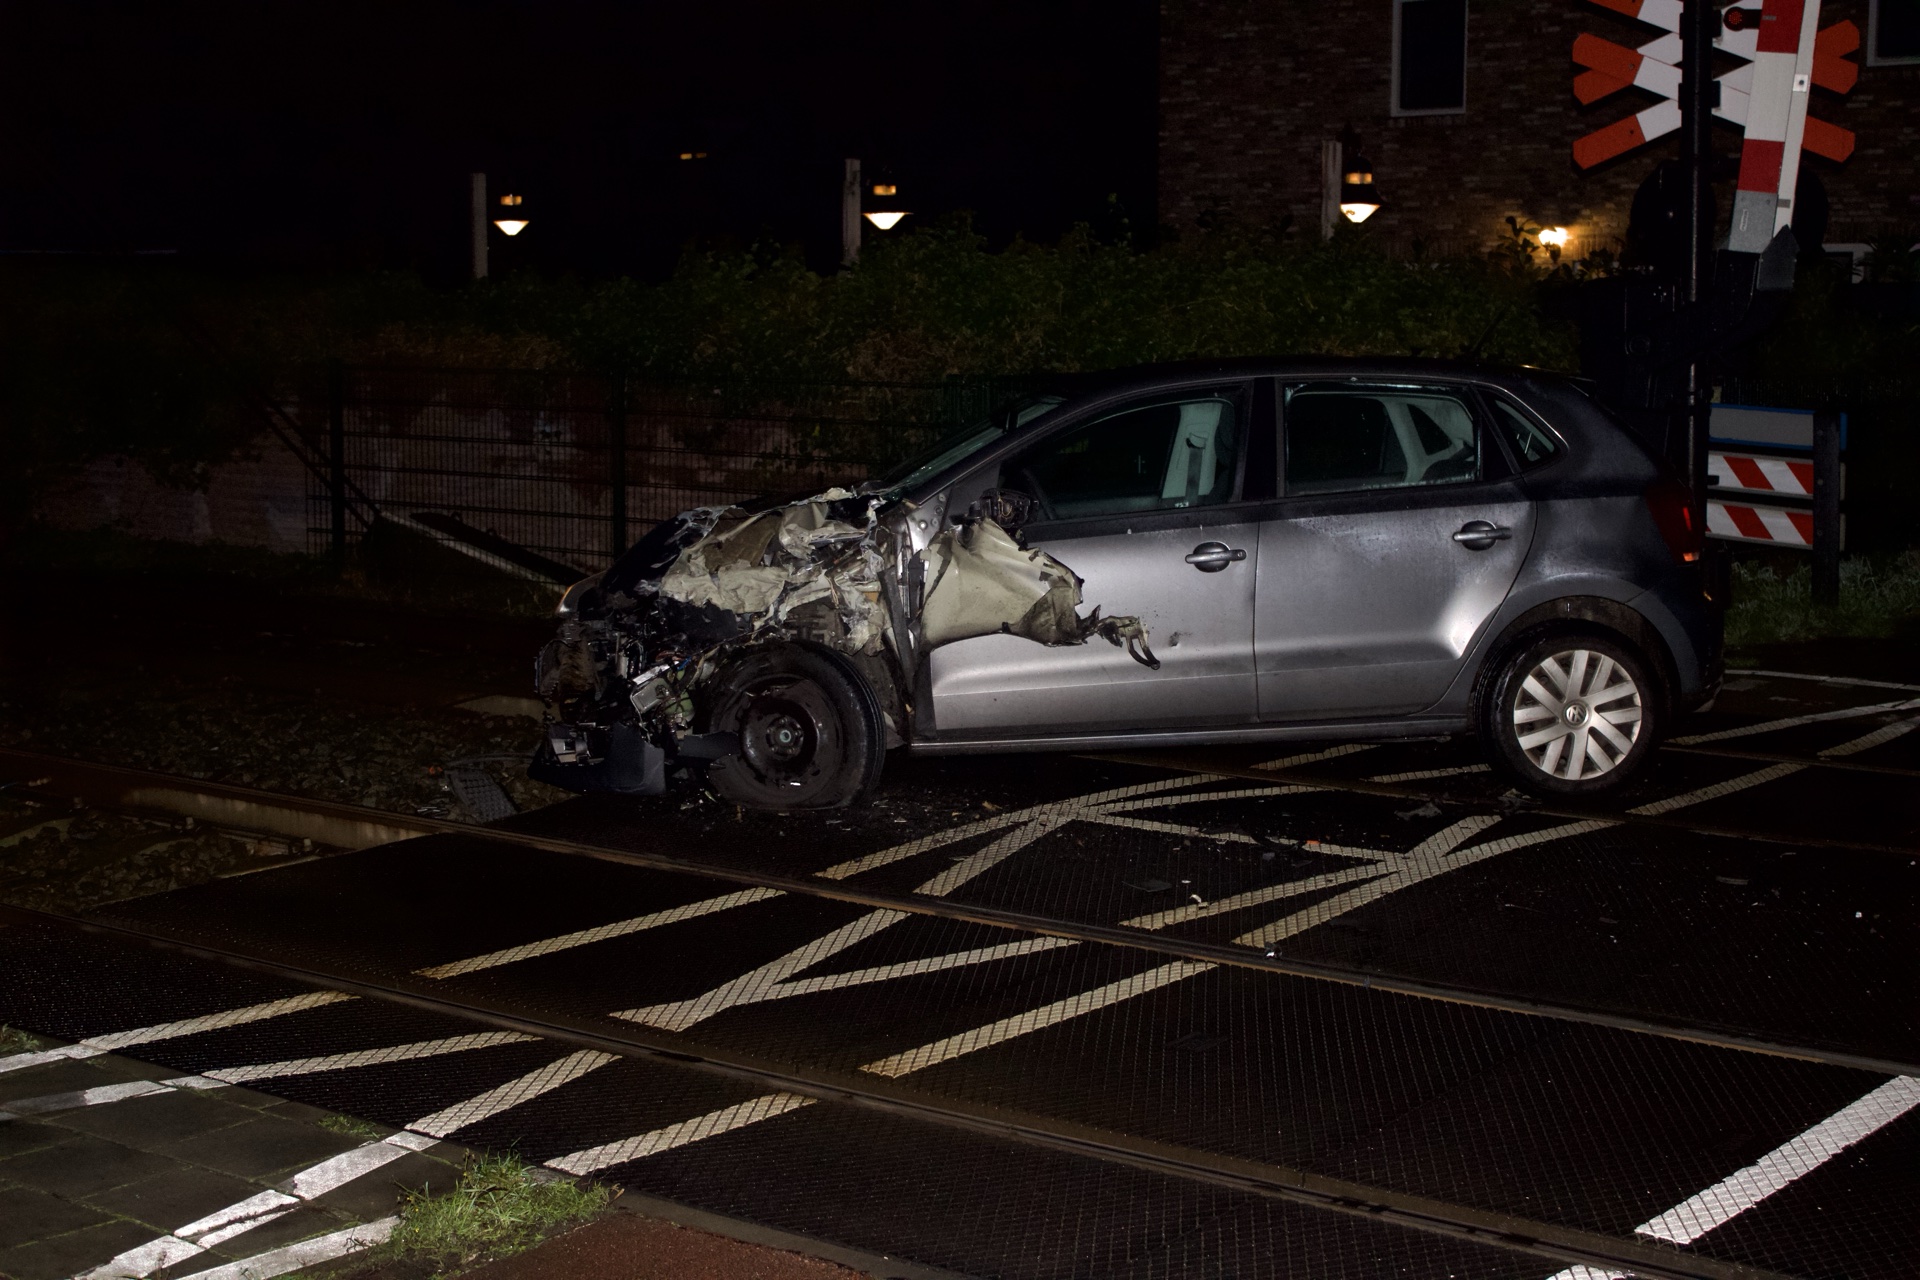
(1673, 512)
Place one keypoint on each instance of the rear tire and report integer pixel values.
(811, 732)
(1571, 713)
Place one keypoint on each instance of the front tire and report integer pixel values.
(810, 728)
(1571, 714)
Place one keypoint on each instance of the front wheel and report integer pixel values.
(1571, 714)
(810, 728)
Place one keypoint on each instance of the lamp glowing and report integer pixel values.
(511, 226)
(1358, 200)
(1554, 237)
(886, 220)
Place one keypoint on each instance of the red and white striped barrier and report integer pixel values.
(1751, 473)
(1779, 526)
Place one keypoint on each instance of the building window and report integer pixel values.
(1893, 32)
(1430, 57)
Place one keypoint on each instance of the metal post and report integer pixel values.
(337, 457)
(1331, 173)
(1826, 508)
(617, 465)
(1697, 91)
(850, 215)
(479, 185)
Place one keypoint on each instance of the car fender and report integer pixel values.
(1605, 602)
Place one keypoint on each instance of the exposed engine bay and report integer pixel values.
(646, 671)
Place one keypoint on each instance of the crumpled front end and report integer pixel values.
(628, 675)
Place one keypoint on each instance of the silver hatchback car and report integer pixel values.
(1273, 550)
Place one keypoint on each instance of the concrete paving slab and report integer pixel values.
(83, 1165)
(297, 1224)
(73, 1253)
(157, 1121)
(18, 1137)
(179, 1195)
(369, 1198)
(261, 1147)
(27, 1215)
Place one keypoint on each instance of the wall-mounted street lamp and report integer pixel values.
(1358, 198)
(878, 204)
(885, 218)
(512, 224)
(1347, 188)
(1555, 237)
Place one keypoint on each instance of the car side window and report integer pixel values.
(1157, 457)
(1529, 441)
(1341, 438)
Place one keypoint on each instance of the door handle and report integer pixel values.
(1478, 535)
(1212, 557)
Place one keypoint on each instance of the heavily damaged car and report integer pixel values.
(1198, 554)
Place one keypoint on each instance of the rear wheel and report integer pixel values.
(1572, 713)
(810, 729)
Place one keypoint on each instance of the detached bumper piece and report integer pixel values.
(624, 763)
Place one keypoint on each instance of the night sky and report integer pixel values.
(298, 134)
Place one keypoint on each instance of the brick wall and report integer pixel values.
(1250, 89)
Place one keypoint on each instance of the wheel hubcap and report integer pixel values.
(1577, 715)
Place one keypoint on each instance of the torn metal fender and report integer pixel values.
(983, 582)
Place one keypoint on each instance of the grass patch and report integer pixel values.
(500, 1206)
(1771, 607)
(352, 1127)
(12, 1041)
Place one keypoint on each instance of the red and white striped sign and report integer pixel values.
(1751, 473)
(1780, 526)
(1783, 57)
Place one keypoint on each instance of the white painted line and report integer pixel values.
(249, 1211)
(1167, 828)
(1866, 742)
(1407, 873)
(760, 984)
(1801, 675)
(601, 933)
(95, 1045)
(913, 968)
(714, 1123)
(77, 1098)
(1059, 1011)
(1735, 1194)
(992, 855)
(1588, 1273)
(511, 1094)
(337, 1171)
(1421, 775)
(1062, 810)
(1254, 897)
(1718, 789)
(1198, 797)
(1791, 722)
(1345, 749)
(366, 1057)
(144, 1260)
(307, 1253)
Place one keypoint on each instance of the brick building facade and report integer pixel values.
(1251, 89)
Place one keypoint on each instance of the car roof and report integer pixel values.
(1185, 372)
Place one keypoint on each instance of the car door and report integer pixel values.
(1399, 532)
(1140, 502)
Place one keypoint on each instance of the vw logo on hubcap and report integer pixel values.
(1576, 714)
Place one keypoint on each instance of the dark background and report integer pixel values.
(303, 134)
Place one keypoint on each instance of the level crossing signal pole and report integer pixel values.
(1700, 22)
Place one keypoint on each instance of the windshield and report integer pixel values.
(962, 444)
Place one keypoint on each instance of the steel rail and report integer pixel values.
(1552, 1241)
(141, 782)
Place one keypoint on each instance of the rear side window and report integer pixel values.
(1341, 438)
(1529, 441)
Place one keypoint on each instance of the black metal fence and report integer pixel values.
(575, 466)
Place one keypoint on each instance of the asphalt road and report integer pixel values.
(1337, 1012)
